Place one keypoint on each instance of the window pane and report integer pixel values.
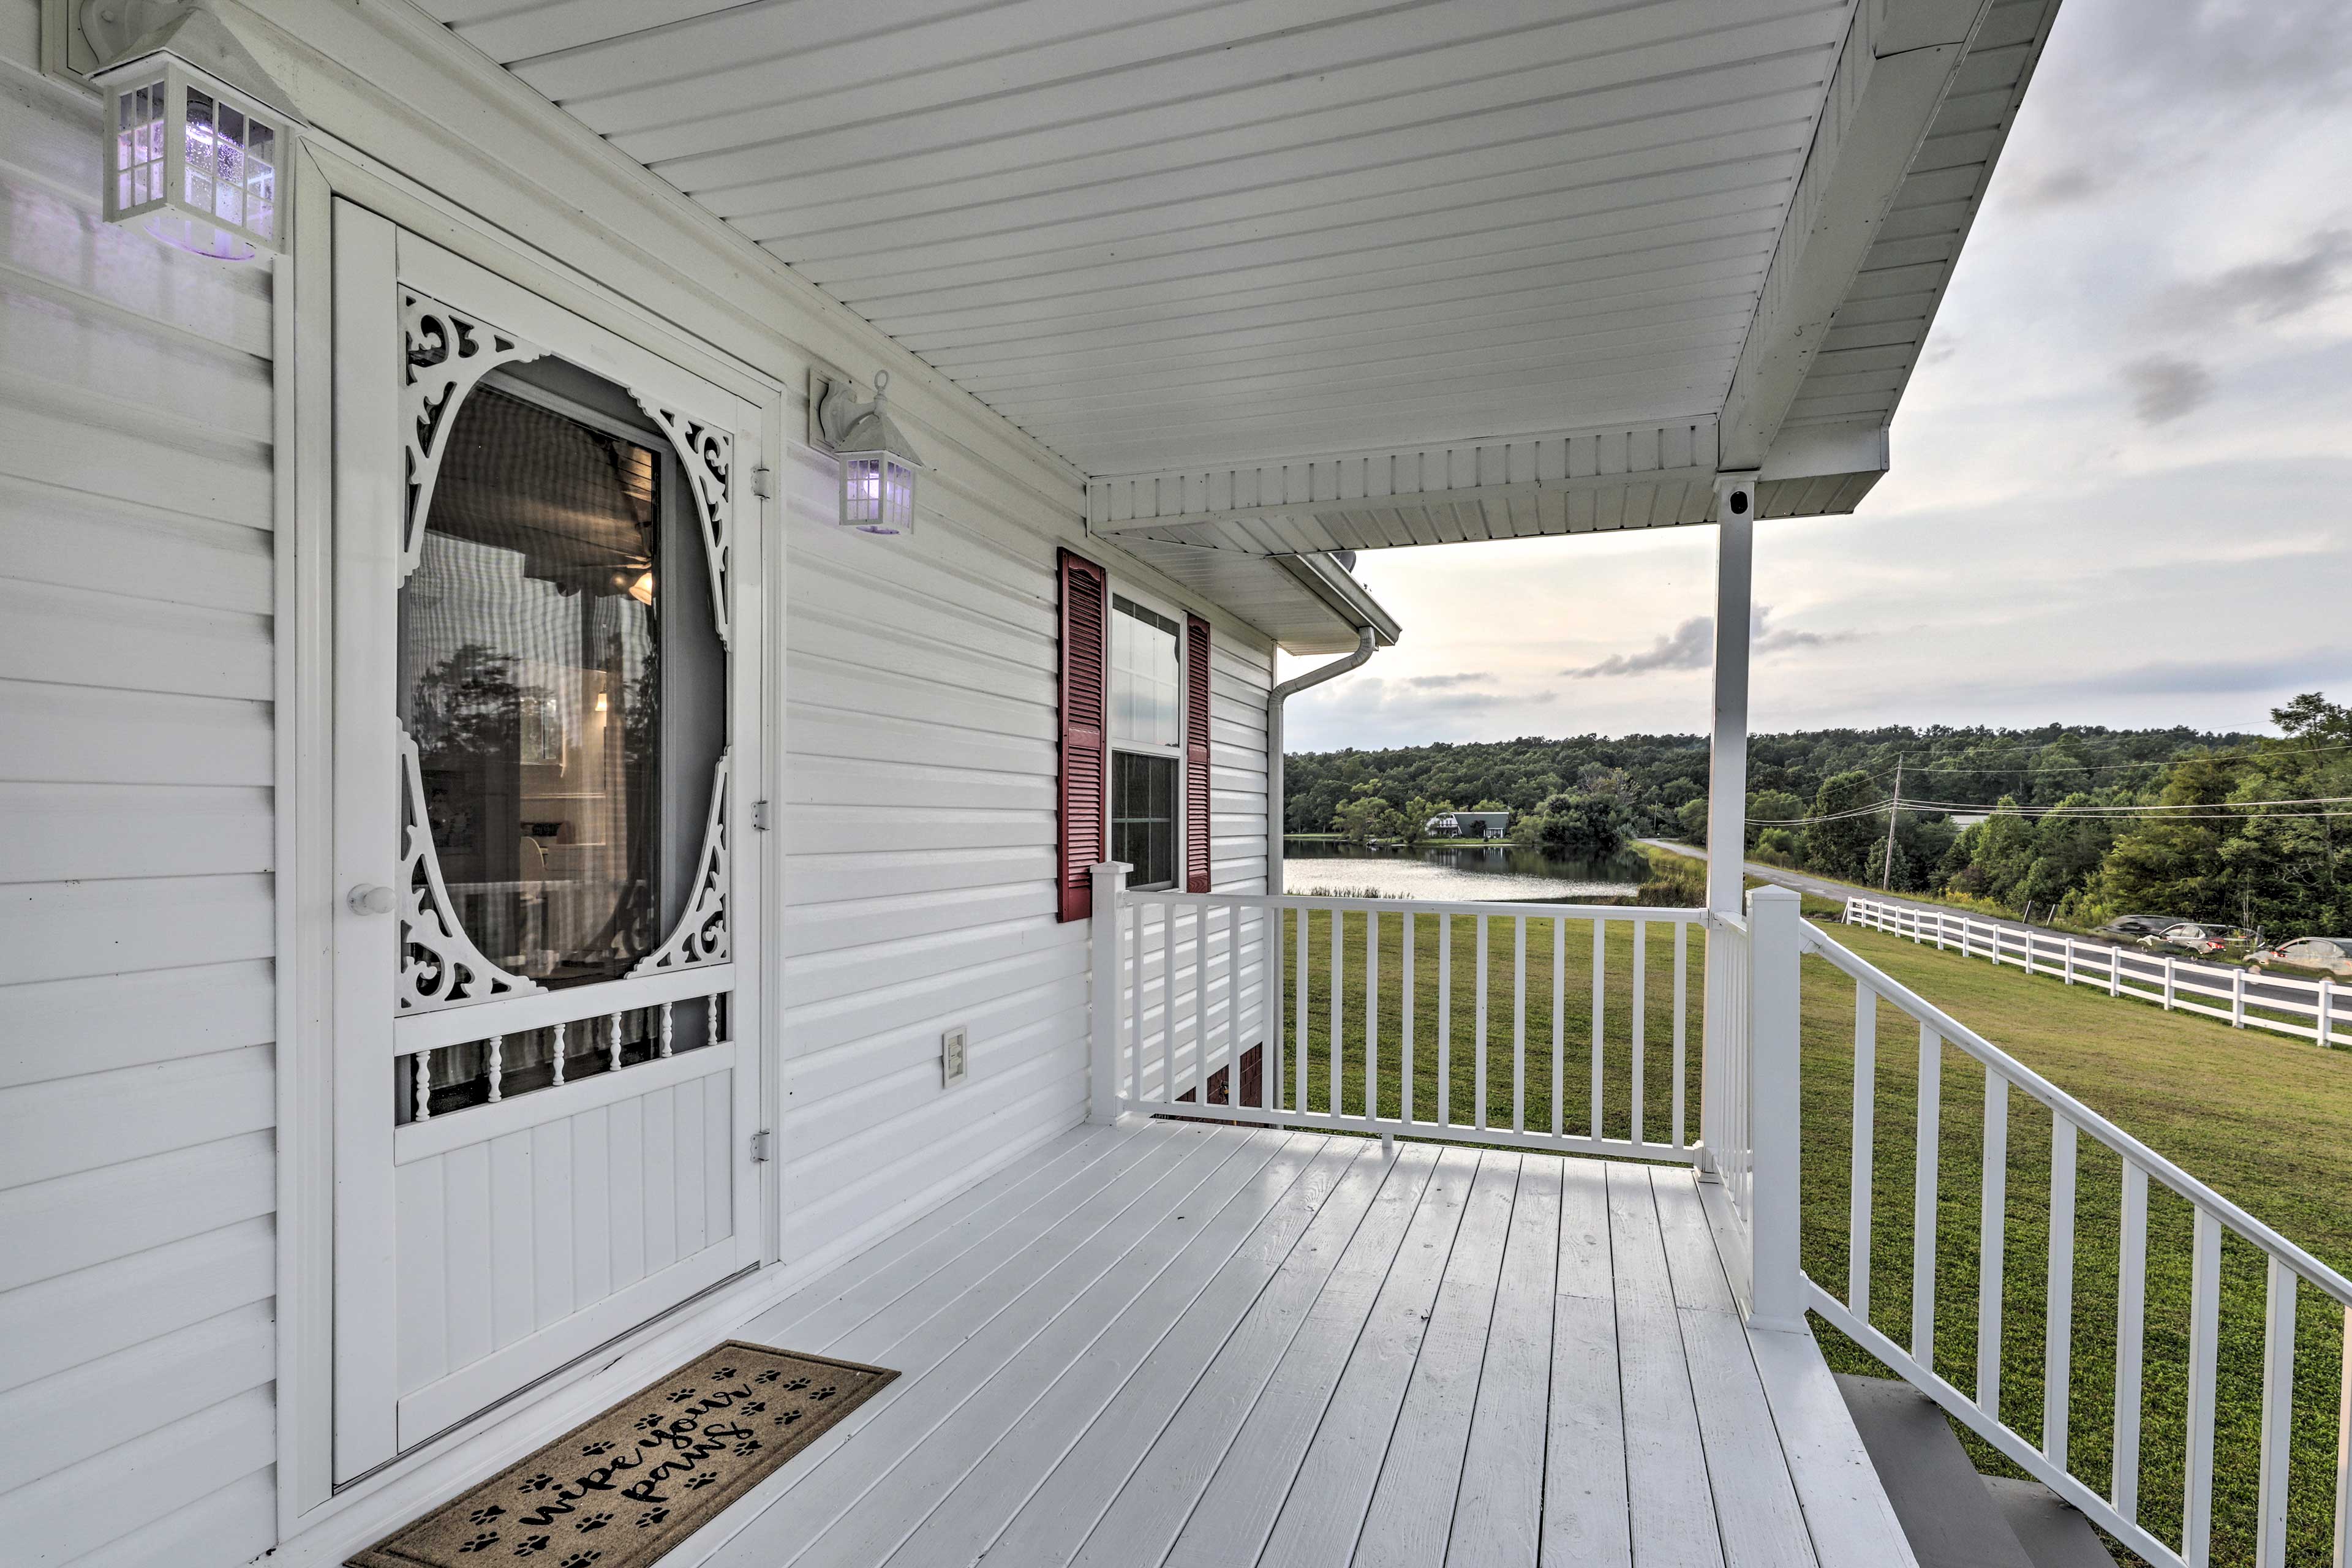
(533, 680)
(1143, 817)
(1147, 676)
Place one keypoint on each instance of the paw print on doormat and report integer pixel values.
(481, 1543)
(581, 1559)
(724, 1373)
(827, 1392)
(755, 1407)
(696, 1482)
(531, 1545)
(593, 1521)
(484, 1515)
(747, 1447)
(652, 1517)
(768, 1376)
(680, 1395)
(647, 1423)
(592, 1450)
(795, 1385)
(538, 1483)
(787, 1418)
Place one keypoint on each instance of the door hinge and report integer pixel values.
(760, 817)
(763, 483)
(761, 1147)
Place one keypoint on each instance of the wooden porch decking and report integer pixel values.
(1178, 1344)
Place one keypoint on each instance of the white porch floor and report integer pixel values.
(1178, 1343)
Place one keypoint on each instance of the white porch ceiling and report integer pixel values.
(1185, 244)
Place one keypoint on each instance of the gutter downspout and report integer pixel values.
(1366, 639)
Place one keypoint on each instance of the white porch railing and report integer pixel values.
(1529, 1025)
(1568, 1028)
(2288, 1270)
(2308, 1009)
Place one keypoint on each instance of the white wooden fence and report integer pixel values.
(2290, 1272)
(2308, 1009)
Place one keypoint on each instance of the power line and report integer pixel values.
(2191, 811)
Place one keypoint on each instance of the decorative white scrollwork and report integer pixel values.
(439, 964)
(447, 353)
(706, 453)
(700, 935)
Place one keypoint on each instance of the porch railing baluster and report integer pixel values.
(2058, 1315)
(1640, 1003)
(1405, 1084)
(1560, 1025)
(2131, 1323)
(1600, 990)
(1478, 1075)
(1446, 1020)
(2204, 1358)
(1371, 1016)
(1865, 1114)
(1923, 1210)
(1992, 1227)
(1519, 1026)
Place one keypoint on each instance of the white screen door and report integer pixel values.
(546, 707)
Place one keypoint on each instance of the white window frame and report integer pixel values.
(1120, 588)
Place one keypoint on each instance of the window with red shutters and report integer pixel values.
(1196, 754)
(1086, 604)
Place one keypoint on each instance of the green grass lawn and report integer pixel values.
(2267, 1122)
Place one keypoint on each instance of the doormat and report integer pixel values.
(623, 1488)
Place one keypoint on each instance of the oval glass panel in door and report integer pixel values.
(561, 679)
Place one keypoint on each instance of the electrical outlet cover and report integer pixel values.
(954, 1057)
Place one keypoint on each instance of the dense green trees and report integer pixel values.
(2286, 869)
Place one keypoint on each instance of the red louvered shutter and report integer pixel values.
(1086, 829)
(1196, 754)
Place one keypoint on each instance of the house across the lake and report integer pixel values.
(1480, 825)
(638, 710)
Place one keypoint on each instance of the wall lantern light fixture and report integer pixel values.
(878, 463)
(200, 136)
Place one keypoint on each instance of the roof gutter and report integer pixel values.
(1374, 627)
(1329, 578)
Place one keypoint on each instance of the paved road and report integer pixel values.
(2139, 966)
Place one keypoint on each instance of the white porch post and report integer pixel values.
(1776, 929)
(1108, 991)
(1727, 808)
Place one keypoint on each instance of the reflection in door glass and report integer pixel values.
(534, 639)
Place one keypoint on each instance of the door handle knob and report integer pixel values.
(370, 899)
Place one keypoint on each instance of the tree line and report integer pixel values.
(1818, 801)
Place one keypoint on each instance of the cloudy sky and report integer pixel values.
(2122, 490)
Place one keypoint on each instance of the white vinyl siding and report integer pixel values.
(137, 1091)
(919, 844)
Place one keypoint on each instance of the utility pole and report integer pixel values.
(1887, 861)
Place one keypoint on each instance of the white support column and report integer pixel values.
(1775, 928)
(1727, 808)
(1108, 991)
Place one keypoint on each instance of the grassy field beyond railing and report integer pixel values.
(1507, 1094)
(2266, 1122)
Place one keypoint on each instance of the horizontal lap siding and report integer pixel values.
(137, 1081)
(920, 853)
(919, 824)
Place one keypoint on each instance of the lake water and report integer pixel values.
(1456, 872)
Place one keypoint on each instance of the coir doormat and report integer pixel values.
(623, 1488)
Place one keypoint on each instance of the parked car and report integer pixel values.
(2137, 926)
(2326, 954)
(2199, 939)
